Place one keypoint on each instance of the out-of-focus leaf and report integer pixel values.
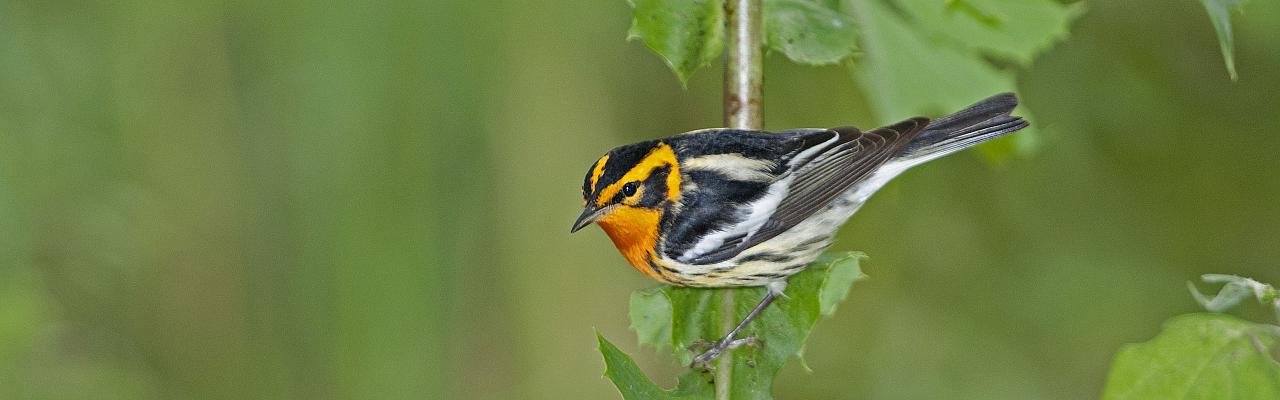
(839, 279)
(651, 317)
(1220, 15)
(978, 14)
(808, 31)
(692, 317)
(1013, 30)
(1199, 356)
(905, 74)
(914, 65)
(687, 34)
(634, 385)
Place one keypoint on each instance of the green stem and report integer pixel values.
(724, 369)
(743, 78)
(744, 70)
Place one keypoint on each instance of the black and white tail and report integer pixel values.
(986, 120)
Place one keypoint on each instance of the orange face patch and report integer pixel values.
(634, 232)
(661, 155)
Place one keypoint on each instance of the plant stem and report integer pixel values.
(744, 70)
(743, 77)
(724, 369)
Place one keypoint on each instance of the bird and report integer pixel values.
(723, 207)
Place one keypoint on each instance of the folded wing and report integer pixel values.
(829, 164)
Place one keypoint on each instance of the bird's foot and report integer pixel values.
(703, 361)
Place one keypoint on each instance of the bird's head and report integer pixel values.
(627, 189)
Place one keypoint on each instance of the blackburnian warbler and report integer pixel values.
(731, 207)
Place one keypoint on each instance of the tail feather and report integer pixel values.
(986, 120)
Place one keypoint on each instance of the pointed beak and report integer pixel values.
(589, 215)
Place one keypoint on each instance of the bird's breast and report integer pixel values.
(634, 232)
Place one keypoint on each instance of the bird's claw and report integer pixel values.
(703, 361)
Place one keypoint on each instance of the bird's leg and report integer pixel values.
(728, 342)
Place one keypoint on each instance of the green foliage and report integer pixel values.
(810, 32)
(930, 58)
(1205, 356)
(1220, 15)
(1010, 30)
(682, 319)
(690, 34)
(1199, 356)
(687, 34)
(633, 384)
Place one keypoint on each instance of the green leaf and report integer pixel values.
(1013, 30)
(1220, 15)
(978, 14)
(689, 317)
(634, 385)
(651, 317)
(687, 34)
(1199, 356)
(839, 279)
(914, 64)
(808, 31)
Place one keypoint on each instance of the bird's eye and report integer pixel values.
(630, 188)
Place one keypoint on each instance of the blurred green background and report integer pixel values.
(331, 200)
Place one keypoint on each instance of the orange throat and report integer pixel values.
(634, 232)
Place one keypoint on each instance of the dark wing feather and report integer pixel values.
(983, 121)
(824, 178)
(718, 201)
